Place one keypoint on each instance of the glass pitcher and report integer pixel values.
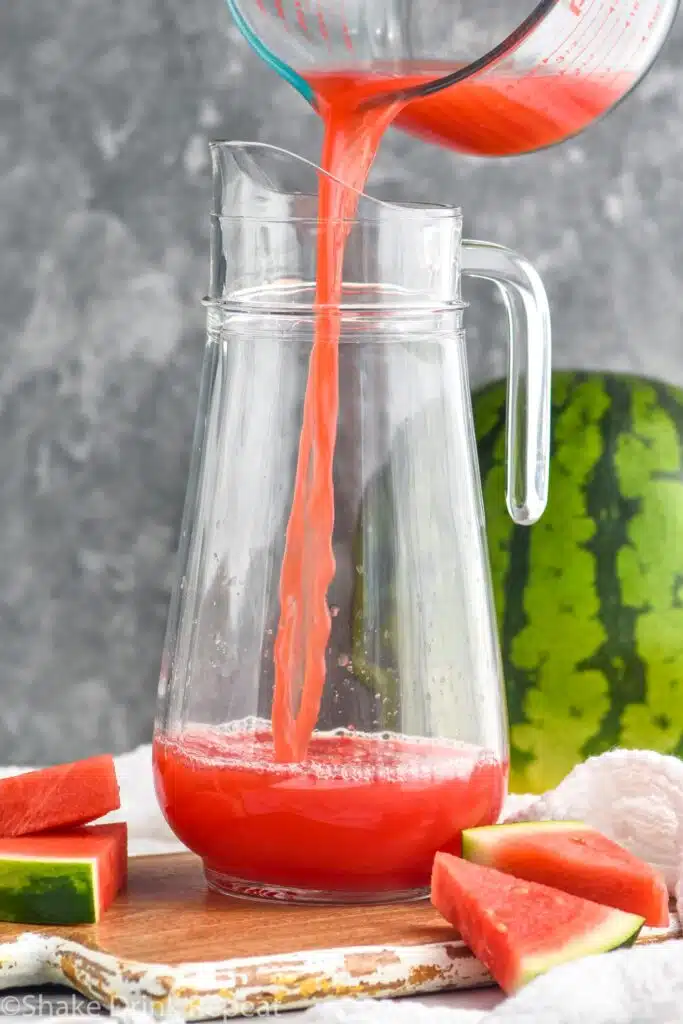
(538, 71)
(408, 740)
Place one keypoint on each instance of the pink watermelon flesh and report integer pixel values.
(575, 858)
(63, 796)
(519, 929)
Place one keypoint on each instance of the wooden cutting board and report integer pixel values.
(168, 943)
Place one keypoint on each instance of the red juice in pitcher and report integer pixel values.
(280, 808)
(362, 814)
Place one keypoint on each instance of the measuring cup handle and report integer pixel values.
(529, 374)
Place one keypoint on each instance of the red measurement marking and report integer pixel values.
(576, 38)
(613, 47)
(572, 36)
(300, 16)
(590, 34)
(617, 44)
(627, 62)
(279, 10)
(576, 6)
(348, 42)
(323, 27)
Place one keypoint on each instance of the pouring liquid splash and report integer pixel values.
(485, 117)
(351, 139)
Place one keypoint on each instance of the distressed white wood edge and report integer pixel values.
(238, 987)
(252, 986)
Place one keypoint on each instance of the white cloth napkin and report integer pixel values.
(633, 796)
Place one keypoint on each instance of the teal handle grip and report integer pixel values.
(284, 70)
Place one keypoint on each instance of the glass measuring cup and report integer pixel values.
(410, 745)
(540, 71)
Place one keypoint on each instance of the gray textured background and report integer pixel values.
(105, 111)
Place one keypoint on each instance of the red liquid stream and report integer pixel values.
(488, 116)
(350, 143)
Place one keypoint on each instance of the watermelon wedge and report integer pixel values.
(519, 929)
(63, 796)
(62, 877)
(576, 858)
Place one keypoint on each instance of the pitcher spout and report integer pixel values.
(265, 229)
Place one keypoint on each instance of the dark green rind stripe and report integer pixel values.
(617, 657)
(631, 940)
(508, 559)
(671, 400)
(44, 892)
(650, 466)
(515, 619)
(489, 419)
(373, 656)
(488, 423)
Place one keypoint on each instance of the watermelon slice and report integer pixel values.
(518, 929)
(576, 858)
(62, 877)
(59, 797)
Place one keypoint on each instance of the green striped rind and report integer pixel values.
(616, 931)
(479, 844)
(48, 891)
(590, 599)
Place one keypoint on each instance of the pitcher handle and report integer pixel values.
(528, 394)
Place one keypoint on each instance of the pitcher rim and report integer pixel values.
(439, 211)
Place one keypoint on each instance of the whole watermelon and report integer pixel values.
(590, 599)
